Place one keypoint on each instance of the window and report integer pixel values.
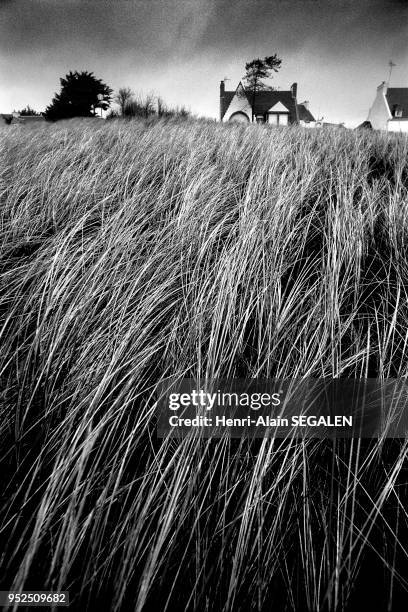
(278, 118)
(260, 119)
(283, 119)
(396, 111)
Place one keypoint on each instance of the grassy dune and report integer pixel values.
(133, 251)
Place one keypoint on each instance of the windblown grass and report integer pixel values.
(135, 251)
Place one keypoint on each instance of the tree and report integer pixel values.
(29, 112)
(140, 106)
(123, 97)
(257, 70)
(162, 109)
(81, 94)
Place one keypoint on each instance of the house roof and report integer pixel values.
(366, 125)
(265, 100)
(327, 124)
(304, 113)
(278, 108)
(228, 95)
(398, 97)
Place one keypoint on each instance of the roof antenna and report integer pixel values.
(391, 65)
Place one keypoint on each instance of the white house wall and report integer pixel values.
(379, 112)
(398, 126)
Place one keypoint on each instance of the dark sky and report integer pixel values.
(337, 50)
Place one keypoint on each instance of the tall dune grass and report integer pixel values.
(132, 252)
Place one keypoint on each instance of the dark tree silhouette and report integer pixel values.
(29, 112)
(81, 94)
(257, 70)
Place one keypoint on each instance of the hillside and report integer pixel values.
(134, 251)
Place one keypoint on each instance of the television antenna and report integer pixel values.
(391, 65)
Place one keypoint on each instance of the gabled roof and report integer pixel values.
(397, 97)
(366, 125)
(267, 99)
(278, 108)
(228, 95)
(304, 113)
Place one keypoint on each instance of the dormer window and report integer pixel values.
(278, 114)
(396, 111)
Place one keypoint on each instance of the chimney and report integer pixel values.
(222, 98)
(293, 89)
